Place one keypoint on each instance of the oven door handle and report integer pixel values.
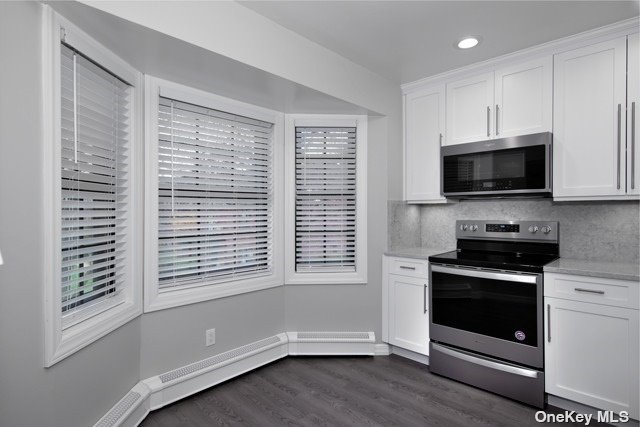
(486, 363)
(508, 277)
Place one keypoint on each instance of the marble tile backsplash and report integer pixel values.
(605, 231)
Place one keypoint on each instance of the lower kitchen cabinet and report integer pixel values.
(405, 304)
(591, 349)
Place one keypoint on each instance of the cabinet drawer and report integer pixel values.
(408, 267)
(618, 293)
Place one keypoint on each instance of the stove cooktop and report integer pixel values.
(495, 260)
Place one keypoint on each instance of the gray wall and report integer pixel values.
(607, 231)
(175, 337)
(78, 390)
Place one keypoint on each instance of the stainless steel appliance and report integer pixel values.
(515, 166)
(486, 318)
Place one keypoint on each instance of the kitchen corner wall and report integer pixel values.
(604, 231)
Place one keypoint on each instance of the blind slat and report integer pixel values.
(94, 182)
(325, 203)
(214, 197)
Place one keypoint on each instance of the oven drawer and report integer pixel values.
(409, 267)
(618, 293)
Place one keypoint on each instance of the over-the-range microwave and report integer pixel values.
(514, 166)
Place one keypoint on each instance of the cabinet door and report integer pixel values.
(523, 98)
(424, 124)
(408, 316)
(469, 109)
(588, 120)
(591, 354)
(633, 105)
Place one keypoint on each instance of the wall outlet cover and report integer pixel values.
(210, 337)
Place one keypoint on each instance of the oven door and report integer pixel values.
(509, 166)
(491, 312)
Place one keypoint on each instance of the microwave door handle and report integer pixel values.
(491, 275)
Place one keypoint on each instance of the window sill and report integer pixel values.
(90, 330)
(326, 279)
(155, 301)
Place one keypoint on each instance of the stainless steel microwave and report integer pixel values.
(514, 166)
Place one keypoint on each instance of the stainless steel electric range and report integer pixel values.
(486, 309)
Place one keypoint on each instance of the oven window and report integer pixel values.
(511, 169)
(495, 308)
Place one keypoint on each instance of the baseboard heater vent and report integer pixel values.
(331, 343)
(334, 337)
(221, 359)
(115, 415)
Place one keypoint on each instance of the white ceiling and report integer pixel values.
(407, 40)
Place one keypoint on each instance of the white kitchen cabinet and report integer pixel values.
(591, 348)
(424, 126)
(523, 98)
(469, 109)
(405, 304)
(589, 121)
(633, 114)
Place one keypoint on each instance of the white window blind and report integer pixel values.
(325, 199)
(94, 185)
(215, 196)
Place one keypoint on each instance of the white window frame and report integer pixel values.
(59, 342)
(292, 277)
(154, 299)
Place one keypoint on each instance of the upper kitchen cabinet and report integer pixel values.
(590, 89)
(424, 125)
(513, 100)
(633, 104)
(523, 98)
(469, 104)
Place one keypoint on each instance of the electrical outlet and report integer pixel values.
(210, 337)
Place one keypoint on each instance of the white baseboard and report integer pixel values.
(382, 349)
(570, 405)
(128, 411)
(416, 357)
(161, 390)
(331, 343)
(187, 380)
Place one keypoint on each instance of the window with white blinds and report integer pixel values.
(325, 199)
(215, 196)
(94, 185)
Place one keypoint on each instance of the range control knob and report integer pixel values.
(533, 229)
(463, 227)
(474, 227)
(546, 229)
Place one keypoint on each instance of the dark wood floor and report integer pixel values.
(343, 391)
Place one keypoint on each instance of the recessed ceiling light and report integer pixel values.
(468, 42)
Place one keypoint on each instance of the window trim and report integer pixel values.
(59, 342)
(209, 290)
(292, 277)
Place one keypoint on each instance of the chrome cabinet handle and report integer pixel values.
(619, 139)
(633, 145)
(488, 120)
(590, 291)
(548, 323)
(404, 267)
(424, 297)
(497, 114)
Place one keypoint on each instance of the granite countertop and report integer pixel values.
(415, 252)
(606, 270)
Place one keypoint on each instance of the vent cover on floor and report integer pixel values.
(222, 358)
(112, 417)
